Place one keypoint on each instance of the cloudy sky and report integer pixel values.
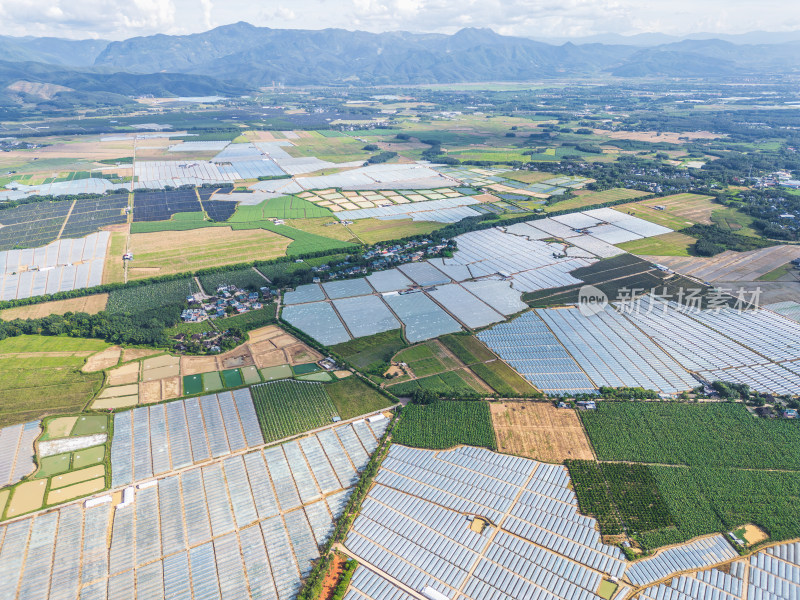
(119, 19)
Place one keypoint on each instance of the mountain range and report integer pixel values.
(236, 58)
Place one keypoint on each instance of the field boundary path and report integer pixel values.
(64, 224)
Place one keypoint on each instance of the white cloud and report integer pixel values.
(87, 18)
(530, 18)
(208, 6)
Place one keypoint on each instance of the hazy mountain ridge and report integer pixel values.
(234, 59)
(260, 56)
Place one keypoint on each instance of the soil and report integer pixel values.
(753, 534)
(333, 576)
(149, 392)
(160, 361)
(192, 365)
(137, 353)
(124, 374)
(300, 354)
(270, 358)
(117, 392)
(27, 496)
(170, 388)
(76, 491)
(102, 360)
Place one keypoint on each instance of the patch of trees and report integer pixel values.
(382, 157)
(712, 239)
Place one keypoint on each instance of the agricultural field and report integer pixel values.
(70, 464)
(458, 382)
(445, 424)
(612, 275)
(86, 304)
(540, 431)
(722, 477)
(166, 253)
(371, 352)
(693, 435)
(352, 397)
(680, 211)
(589, 199)
(336, 149)
(42, 376)
(436, 369)
(151, 296)
(287, 407)
(667, 244)
(244, 279)
(372, 231)
(708, 499)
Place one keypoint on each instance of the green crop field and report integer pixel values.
(445, 424)
(287, 407)
(455, 383)
(371, 351)
(705, 500)
(503, 379)
(34, 383)
(594, 497)
(668, 244)
(718, 434)
(141, 298)
(467, 348)
(730, 468)
(242, 278)
(352, 397)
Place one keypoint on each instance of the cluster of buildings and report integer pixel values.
(229, 300)
(778, 179)
(385, 257)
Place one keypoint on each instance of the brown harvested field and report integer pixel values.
(240, 357)
(680, 210)
(149, 392)
(137, 353)
(540, 431)
(102, 360)
(122, 402)
(76, 491)
(170, 388)
(194, 365)
(125, 374)
(658, 136)
(527, 176)
(119, 391)
(265, 333)
(160, 362)
(26, 497)
(754, 534)
(88, 304)
(300, 353)
(60, 427)
(283, 341)
(66, 479)
(178, 251)
(267, 357)
(730, 266)
(161, 372)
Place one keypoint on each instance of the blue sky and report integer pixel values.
(119, 19)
